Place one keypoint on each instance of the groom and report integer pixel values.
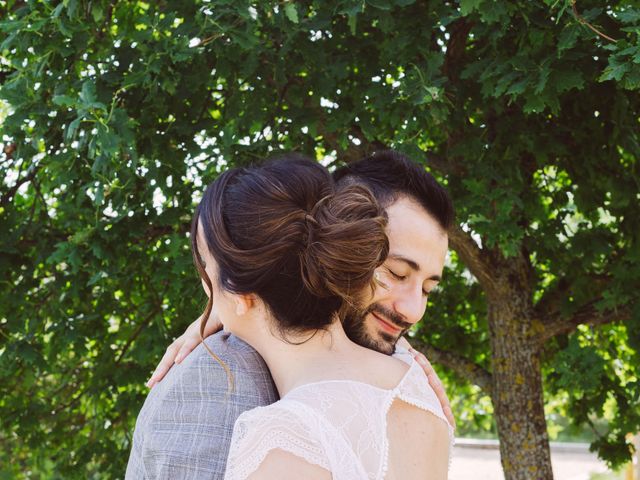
(184, 428)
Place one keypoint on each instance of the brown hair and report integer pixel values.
(390, 174)
(280, 230)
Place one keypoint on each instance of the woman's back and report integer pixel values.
(352, 429)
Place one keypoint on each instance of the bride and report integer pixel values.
(282, 255)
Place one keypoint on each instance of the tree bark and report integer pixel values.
(517, 384)
(516, 377)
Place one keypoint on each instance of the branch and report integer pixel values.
(71, 402)
(459, 33)
(136, 333)
(10, 148)
(353, 152)
(582, 20)
(154, 231)
(552, 300)
(586, 315)
(464, 367)
(472, 256)
(8, 195)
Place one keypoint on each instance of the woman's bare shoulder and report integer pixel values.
(287, 466)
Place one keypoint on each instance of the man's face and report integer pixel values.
(417, 251)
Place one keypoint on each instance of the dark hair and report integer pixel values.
(390, 175)
(281, 231)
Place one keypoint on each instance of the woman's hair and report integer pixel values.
(280, 230)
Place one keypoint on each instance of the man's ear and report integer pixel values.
(244, 303)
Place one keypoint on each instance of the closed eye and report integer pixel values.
(396, 276)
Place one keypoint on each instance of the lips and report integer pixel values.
(386, 325)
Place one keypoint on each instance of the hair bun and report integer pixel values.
(280, 230)
(310, 220)
(345, 244)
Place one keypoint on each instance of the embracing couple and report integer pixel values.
(315, 280)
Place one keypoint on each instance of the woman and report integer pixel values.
(281, 256)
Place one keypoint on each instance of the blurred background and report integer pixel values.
(114, 115)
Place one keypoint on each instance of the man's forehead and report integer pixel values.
(406, 216)
(415, 237)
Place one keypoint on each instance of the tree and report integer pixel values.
(118, 112)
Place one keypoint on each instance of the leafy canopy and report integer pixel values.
(115, 114)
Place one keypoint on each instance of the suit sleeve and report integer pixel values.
(184, 429)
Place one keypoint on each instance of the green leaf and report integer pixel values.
(534, 104)
(291, 12)
(568, 38)
(381, 4)
(518, 87)
(88, 92)
(468, 6)
(629, 15)
(58, 10)
(72, 6)
(352, 22)
(97, 277)
(615, 71)
(64, 100)
(567, 80)
(99, 195)
(97, 12)
(70, 131)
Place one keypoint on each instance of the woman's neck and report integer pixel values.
(303, 358)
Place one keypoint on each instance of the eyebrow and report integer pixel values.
(412, 265)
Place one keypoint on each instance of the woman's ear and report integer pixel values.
(244, 303)
(206, 288)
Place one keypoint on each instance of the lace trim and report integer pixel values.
(256, 435)
(385, 440)
(239, 470)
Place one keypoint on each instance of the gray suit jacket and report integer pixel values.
(184, 428)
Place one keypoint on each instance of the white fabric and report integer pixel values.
(340, 425)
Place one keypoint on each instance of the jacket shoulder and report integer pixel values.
(187, 419)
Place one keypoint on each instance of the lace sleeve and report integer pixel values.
(258, 431)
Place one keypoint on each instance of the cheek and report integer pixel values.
(378, 295)
(388, 293)
(383, 288)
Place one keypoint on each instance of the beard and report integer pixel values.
(355, 326)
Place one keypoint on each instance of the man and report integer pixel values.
(184, 429)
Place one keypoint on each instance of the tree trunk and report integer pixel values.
(517, 386)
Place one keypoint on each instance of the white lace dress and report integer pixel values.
(340, 425)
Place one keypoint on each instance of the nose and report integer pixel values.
(411, 304)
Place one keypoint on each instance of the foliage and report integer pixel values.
(116, 113)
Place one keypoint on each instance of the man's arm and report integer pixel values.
(434, 381)
(185, 426)
(185, 343)
(183, 429)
